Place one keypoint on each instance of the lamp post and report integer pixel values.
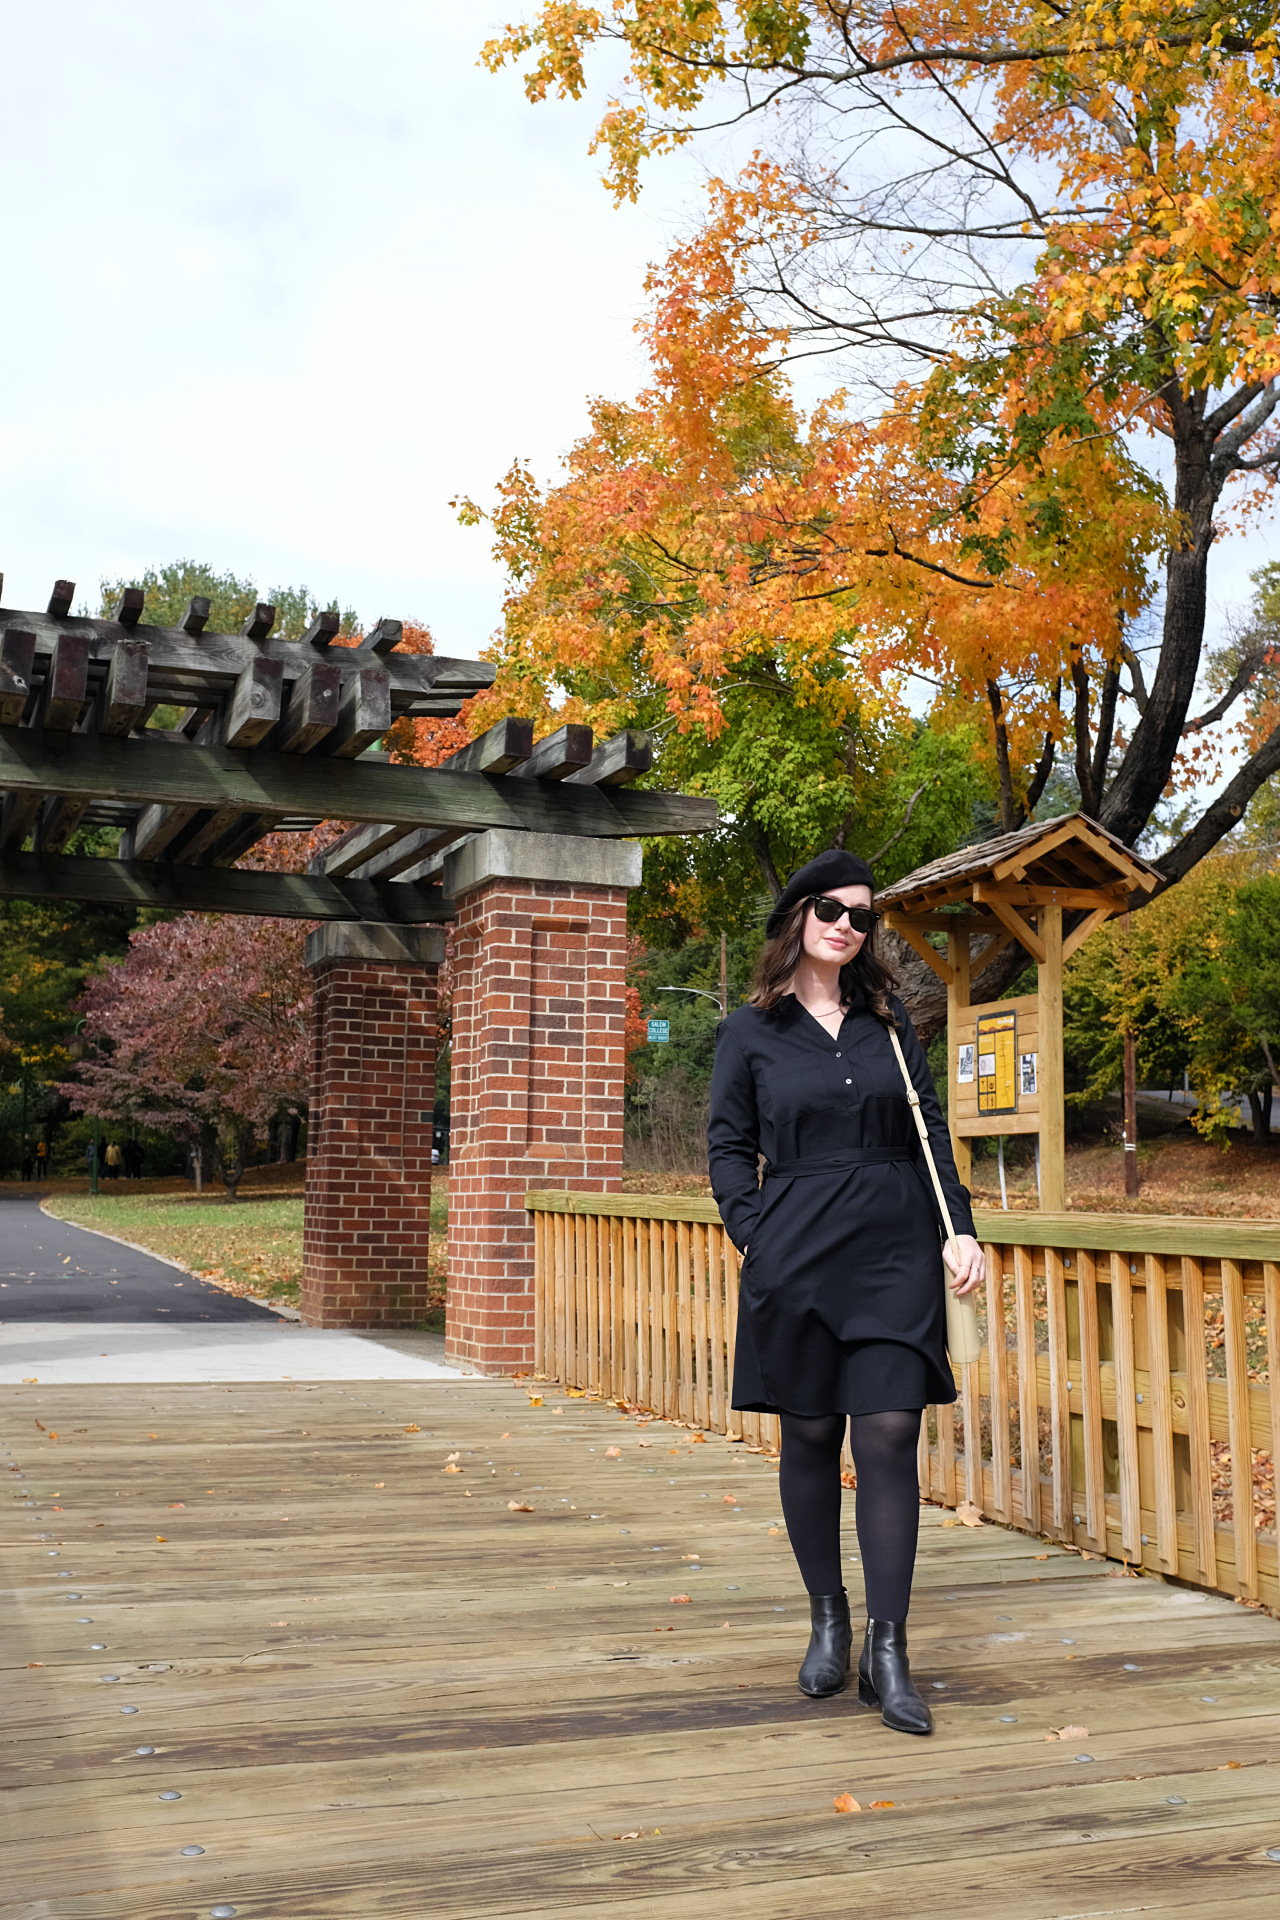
(93, 1164)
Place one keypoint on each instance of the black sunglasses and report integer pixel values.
(861, 919)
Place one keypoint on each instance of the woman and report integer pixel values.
(841, 1312)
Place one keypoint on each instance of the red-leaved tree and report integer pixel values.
(200, 1031)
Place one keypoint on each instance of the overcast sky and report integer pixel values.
(282, 278)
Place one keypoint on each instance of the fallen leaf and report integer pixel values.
(951, 1522)
(519, 1506)
(621, 1583)
(731, 1499)
(576, 1393)
(1039, 1556)
(1073, 1733)
(680, 1599)
(413, 1429)
(775, 1529)
(42, 1427)
(153, 1436)
(535, 1400)
(882, 1803)
(613, 1453)
(698, 1440)
(163, 1538)
(53, 1436)
(31, 1380)
(628, 1836)
(1229, 1766)
(644, 1443)
(176, 1506)
(277, 1623)
(968, 1515)
(557, 1410)
(452, 1467)
(453, 1456)
(382, 1483)
(35, 1663)
(845, 1803)
(504, 1436)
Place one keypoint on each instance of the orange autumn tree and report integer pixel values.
(752, 583)
(1042, 243)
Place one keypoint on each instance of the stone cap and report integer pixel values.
(375, 941)
(500, 854)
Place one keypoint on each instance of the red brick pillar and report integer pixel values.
(536, 1085)
(368, 1194)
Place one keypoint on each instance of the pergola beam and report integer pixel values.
(291, 896)
(168, 773)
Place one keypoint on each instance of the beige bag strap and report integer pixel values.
(963, 1341)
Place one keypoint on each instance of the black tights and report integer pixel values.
(888, 1503)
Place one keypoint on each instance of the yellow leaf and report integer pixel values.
(968, 1514)
(519, 1506)
(413, 1429)
(845, 1803)
(613, 1453)
(163, 1538)
(680, 1599)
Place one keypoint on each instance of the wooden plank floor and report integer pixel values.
(379, 1692)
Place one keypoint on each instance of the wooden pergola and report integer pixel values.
(272, 735)
(1004, 1057)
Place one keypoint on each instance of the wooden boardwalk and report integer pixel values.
(381, 1692)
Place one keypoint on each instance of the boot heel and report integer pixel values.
(867, 1693)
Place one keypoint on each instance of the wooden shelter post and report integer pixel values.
(957, 1001)
(1053, 1131)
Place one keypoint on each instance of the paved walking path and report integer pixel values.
(78, 1309)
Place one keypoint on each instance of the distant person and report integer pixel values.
(115, 1160)
(88, 1159)
(42, 1158)
(26, 1166)
(132, 1160)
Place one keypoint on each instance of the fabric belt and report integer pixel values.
(839, 1162)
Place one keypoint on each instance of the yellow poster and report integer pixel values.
(998, 1063)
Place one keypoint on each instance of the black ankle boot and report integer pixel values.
(825, 1668)
(884, 1678)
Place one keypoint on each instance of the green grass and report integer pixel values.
(253, 1246)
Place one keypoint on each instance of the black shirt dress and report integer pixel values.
(841, 1306)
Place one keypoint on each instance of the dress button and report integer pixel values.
(837, 1053)
(848, 1083)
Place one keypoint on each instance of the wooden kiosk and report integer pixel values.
(1004, 1057)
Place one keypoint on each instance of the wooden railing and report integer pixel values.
(1133, 1378)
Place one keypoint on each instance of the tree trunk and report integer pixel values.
(1260, 1114)
(1144, 771)
(1130, 1113)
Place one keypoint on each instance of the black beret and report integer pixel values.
(831, 869)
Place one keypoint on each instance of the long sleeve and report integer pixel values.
(733, 1140)
(939, 1135)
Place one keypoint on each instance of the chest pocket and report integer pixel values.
(793, 1092)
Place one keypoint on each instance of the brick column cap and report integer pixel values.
(501, 854)
(371, 940)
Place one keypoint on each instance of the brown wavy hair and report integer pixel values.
(776, 967)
